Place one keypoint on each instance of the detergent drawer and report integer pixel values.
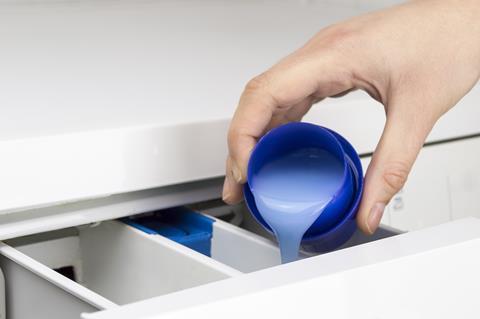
(65, 273)
(101, 266)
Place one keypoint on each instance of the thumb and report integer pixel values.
(405, 132)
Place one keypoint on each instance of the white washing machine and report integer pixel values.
(115, 108)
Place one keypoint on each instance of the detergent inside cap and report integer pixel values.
(292, 191)
(300, 184)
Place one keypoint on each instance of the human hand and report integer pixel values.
(418, 59)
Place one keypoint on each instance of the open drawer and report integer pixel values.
(61, 274)
(111, 263)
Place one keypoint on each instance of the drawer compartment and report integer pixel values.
(242, 249)
(108, 264)
(232, 245)
(64, 273)
(228, 244)
(33, 290)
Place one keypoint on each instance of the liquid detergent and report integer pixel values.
(292, 191)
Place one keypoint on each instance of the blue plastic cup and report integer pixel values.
(336, 224)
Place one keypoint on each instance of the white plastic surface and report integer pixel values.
(436, 284)
(33, 290)
(125, 264)
(431, 273)
(106, 97)
(242, 249)
(249, 252)
(116, 263)
(80, 213)
(113, 263)
(30, 296)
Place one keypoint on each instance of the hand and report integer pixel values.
(418, 59)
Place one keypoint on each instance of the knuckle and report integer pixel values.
(340, 37)
(258, 83)
(395, 176)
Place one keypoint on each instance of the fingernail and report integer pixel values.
(375, 216)
(237, 173)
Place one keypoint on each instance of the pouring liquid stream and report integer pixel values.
(292, 191)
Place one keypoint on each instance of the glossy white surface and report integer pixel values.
(430, 273)
(92, 211)
(438, 284)
(104, 97)
(443, 185)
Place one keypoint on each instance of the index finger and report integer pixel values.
(275, 91)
